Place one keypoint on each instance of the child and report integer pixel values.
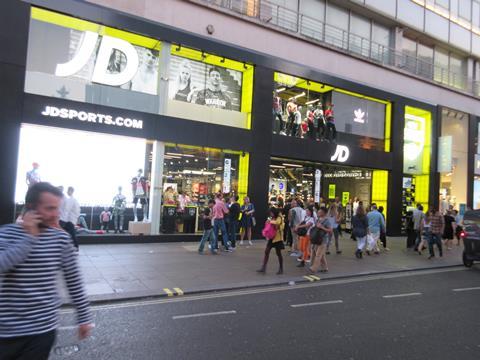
(105, 217)
(208, 233)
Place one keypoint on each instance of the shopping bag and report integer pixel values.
(371, 243)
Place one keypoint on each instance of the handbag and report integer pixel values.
(302, 231)
(316, 236)
(269, 231)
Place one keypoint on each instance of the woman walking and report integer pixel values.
(360, 230)
(276, 219)
(335, 218)
(303, 232)
(248, 221)
(319, 238)
(425, 237)
(448, 230)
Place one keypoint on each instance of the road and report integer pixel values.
(421, 315)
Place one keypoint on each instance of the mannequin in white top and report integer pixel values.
(140, 192)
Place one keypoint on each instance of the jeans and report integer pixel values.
(361, 242)
(27, 347)
(418, 239)
(220, 224)
(232, 230)
(210, 237)
(331, 131)
(435, 239)
(69, 227)
(277, 114)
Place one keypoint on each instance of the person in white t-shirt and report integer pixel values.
(69, 213)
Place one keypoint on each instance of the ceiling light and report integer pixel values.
(294, 165)
(188, 155)
(174, 154)
(277, 166)
(312, 102)
(279, 90)
(297, 96)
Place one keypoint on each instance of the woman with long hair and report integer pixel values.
(360, 229)
(247, 221)
(335, 218)
(184, 88)
(275, 219)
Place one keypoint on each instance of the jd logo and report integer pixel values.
(101, 74)
(341, 154)
(359, 116)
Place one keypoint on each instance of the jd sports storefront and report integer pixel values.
(148, 123)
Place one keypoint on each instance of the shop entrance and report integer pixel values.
(318, 183)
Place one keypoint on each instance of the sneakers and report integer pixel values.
(339, 252)
(250, 243)
(241, 242)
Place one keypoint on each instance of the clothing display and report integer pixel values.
(119, 204)
(140, 191)
(214, 98)
(33, 176)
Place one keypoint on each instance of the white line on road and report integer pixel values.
(318, 303)
(401, 295)
(231, 312)
(467, 289)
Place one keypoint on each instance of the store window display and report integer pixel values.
(305, 109)
(193, 176)
(140, 192)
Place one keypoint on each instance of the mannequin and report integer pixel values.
(277, 114)
(331, 129)
(140, 192)
(319, 121)
(33, 176)
(291, 110)
(297, 125)
(311, 122)
(119, 204)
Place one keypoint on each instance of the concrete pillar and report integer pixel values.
(155, 211)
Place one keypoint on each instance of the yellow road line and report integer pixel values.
(179, 291)
(309, 278)
(168, 292)
(315, 277)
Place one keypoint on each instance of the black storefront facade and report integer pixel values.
(249, 148)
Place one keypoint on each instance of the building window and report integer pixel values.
(465, 9)
(442, 3)
(360, 31)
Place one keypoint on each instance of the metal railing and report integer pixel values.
(318, 31)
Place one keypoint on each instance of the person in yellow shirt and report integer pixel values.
(275, 219)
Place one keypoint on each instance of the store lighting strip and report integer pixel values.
(294, 165)
(277, 166)
(279, 90)
(297, 96)
(312, 102)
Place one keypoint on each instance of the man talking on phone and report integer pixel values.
(31, 254)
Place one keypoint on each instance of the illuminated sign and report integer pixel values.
(85, 116)
(227, 172)
(341, 154)
(359, 116)
(101, 75)
(414, 136)
(318, 176)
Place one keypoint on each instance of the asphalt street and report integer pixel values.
(422, 315)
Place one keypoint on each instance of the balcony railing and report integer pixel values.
(320, 32)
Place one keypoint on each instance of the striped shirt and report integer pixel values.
(29, 299)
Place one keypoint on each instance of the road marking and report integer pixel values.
(243, 292)
(179, 291)
(177, 317)
(311, 278)
(401, 295)
(467, 289)
(168, 292)
(318, 303)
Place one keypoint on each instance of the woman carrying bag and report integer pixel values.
(303, 232)
(274, 239)
(319, 238)
(360, 230)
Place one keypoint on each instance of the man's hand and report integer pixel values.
(31, 220)
(84, 330)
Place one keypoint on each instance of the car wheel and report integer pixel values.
(468, 263)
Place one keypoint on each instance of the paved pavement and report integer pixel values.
(135, 270)
(415, 316)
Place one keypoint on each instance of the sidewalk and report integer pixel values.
(139, 270)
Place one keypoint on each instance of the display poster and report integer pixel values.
(227, 174)
(345, 198)
(477, 164)
(462, 208)
(414, 142)
(331, 191)
(200, 83)
(359, 116)
(318, 176)
(444, 154)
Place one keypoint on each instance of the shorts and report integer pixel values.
(143, 200)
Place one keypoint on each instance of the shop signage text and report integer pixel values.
(341, 154)
(101, 75)
(85, 116)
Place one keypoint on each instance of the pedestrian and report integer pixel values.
(247, 221)
(426, 232)
(383, 232)
(303, 232)
(295, 217)
(418, 219)
(69, 213)
(458, 226)
(319, 238)
(208, 234)
(31, 254)
(448, 230)
(360, 230)
(234, 214)
(219, 211)
(275, 219)
(335, 218)
(375, 226)
(437, 225)
(287, 234)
